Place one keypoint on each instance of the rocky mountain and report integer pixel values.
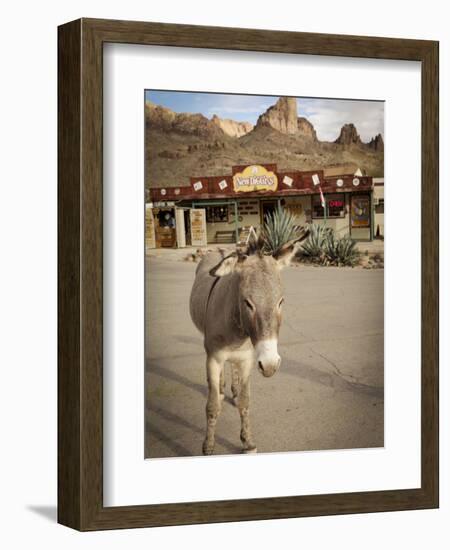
(232, 127)
(349, 135)
(282, 116)
(305, 128)
(162, 118)
(377, 143)
(180, 145)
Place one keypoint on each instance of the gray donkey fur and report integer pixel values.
(236, 303)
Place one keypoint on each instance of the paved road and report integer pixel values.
(328, 393)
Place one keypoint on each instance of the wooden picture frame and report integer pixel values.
(80, 271)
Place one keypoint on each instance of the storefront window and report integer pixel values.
(166, 218)
(335, 206)
(216, 214)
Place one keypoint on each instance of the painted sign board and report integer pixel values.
(255, 178)
(198, 226)
(360, 211)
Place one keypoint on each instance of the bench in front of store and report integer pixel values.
(225, 237)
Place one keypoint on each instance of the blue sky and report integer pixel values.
(327, 115)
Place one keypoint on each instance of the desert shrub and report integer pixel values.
(340, 250)
(324, 247)
(279, 228)
(312, 248)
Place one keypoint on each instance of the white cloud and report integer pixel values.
(239, 107)
(329, 115)
(216, 109)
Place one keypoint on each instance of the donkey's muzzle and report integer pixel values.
(267, 357)
(269, 369)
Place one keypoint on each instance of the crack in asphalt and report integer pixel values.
(354, 383)
(340, 339)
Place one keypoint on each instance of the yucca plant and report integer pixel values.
(313, 247)
(340, 250)
(325, 247)
(349, 254)
(279, 228)
(331, 248)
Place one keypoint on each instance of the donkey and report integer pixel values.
(236, 302)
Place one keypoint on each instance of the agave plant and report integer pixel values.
(313, 246)
(324, 247)
(349, 254)
(340, 251)
(279, 228)
(331, 248)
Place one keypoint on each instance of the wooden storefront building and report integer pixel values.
(221, 209)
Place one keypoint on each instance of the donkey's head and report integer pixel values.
(260, 298)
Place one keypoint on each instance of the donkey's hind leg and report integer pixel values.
(213, 404)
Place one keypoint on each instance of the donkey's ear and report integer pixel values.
(227, 265)
(288, 251)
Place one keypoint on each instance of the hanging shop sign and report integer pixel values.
(255, 178)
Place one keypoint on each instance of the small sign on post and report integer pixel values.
(251, 234)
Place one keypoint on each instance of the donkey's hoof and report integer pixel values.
(207, 449)
(250, 451)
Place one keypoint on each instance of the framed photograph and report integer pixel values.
(248, 274)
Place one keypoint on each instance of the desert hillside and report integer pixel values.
(180, 145)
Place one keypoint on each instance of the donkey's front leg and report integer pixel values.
(213, 404)
(244, 407)
(235, 383)
(222, 383)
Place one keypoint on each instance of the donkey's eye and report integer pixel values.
(249, 305)
(280, 303)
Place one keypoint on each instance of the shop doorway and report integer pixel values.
(167, 227)
(268, 207)
(361, 217)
